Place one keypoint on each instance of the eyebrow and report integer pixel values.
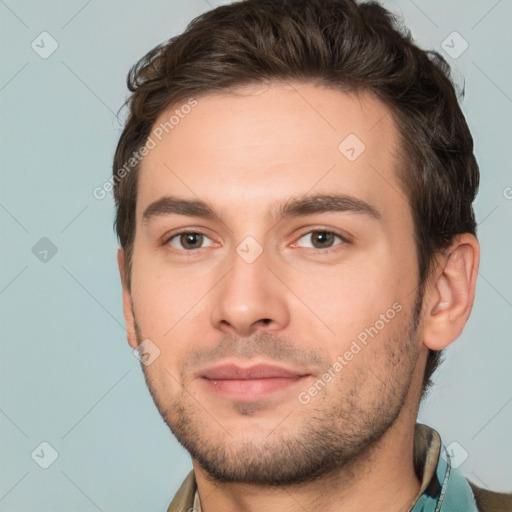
(296, 207)
(169, 205)
(324, 203)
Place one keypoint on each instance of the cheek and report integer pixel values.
(350, 297)
(166, 303)
(367, 309)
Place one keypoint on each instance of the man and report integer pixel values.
(294, 189)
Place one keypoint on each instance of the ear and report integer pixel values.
(449, 295)
(129, 318)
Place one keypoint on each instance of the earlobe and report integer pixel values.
(129, 318)
(450, 294)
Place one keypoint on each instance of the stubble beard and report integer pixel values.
(332, 435)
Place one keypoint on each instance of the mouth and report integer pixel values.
(251, 383)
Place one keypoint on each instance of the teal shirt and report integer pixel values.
(447, 491)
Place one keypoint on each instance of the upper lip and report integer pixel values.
(230, 371)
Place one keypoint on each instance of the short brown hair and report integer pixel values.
(341, 44)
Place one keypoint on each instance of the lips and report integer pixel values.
(252, 383)
(260, 371)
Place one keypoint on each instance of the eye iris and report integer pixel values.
(188, 239)
(323, 239)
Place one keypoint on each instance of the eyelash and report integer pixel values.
(185, 232)
(343, 239)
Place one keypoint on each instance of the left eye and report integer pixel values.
(320, 239)
(189, 241)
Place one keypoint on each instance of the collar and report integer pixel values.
(442, 489)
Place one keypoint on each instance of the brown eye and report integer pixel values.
(189, 241)
(320, 239)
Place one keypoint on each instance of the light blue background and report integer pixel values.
(67, 375)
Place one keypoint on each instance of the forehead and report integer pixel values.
(263, 143)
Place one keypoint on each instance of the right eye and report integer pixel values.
(189, 240)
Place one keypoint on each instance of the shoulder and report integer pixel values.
(491, 501)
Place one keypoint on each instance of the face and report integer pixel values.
(274, 278)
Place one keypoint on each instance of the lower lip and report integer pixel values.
(251, 389)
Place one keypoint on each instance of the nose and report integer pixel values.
(250, 298)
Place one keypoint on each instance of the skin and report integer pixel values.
(245, 153)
